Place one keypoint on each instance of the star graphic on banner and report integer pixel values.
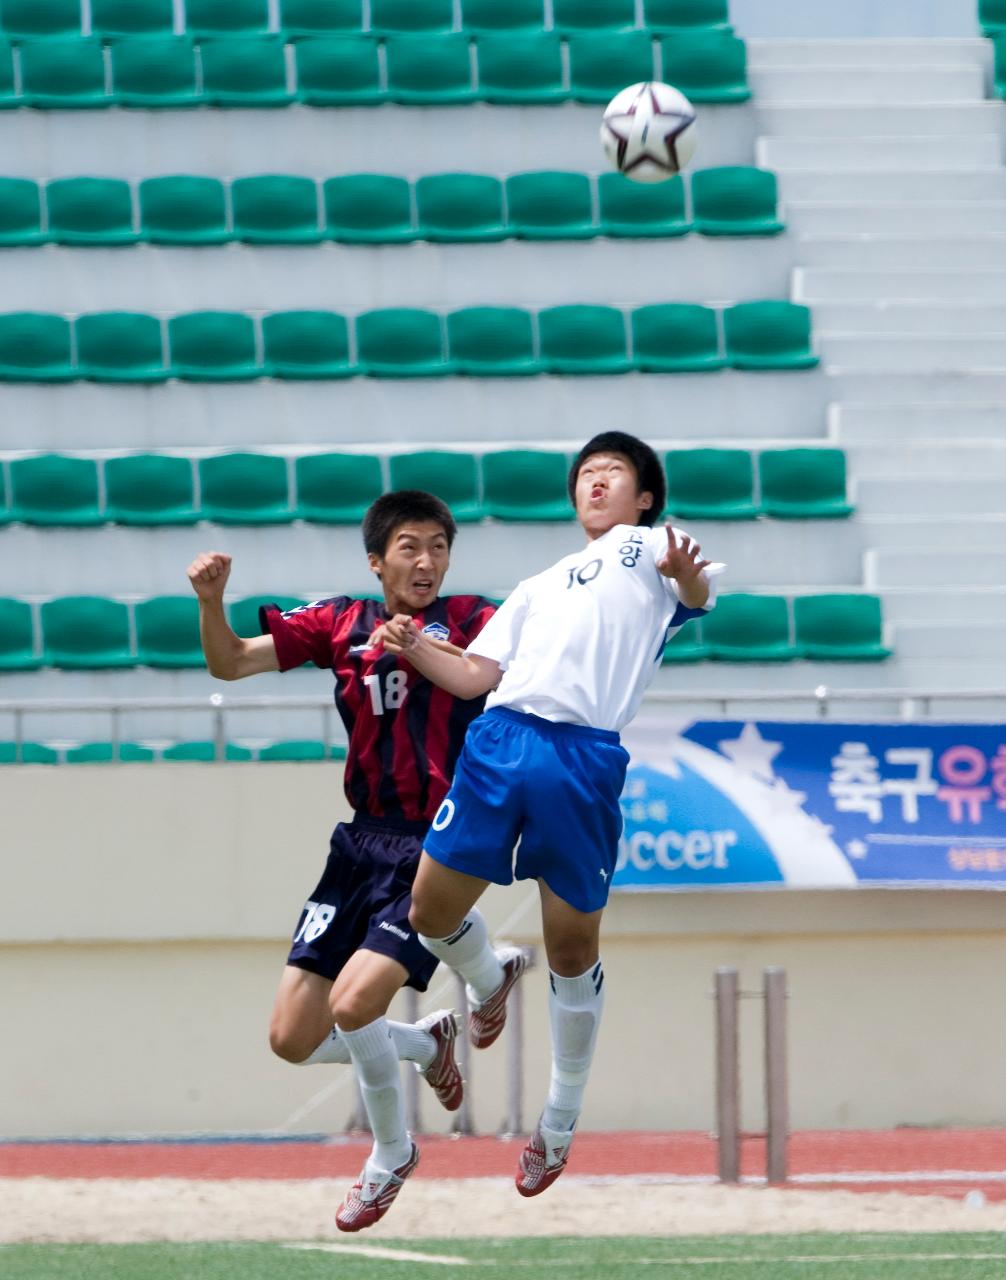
(646, 136)
(856, 849)
(783, 798)
(752, 754)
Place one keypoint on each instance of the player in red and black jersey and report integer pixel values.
(353, 947)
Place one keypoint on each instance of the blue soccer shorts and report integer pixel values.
(556, 787)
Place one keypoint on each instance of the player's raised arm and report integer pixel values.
(228, 655)
(682, 562)
(464, 675)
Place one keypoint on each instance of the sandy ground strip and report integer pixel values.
(120, 1211)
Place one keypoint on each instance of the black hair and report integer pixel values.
(404, 505)
(649, 472)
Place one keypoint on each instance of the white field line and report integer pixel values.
(379, 1251)
(440, 1259)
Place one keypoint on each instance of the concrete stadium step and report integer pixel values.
(949, 457)
(893, 83)
(859, 284)
(922, 317)
(922, 567)
(977, 534)
(911, 351)
(920, 153)
(962, 640)
(922, 674)
(935, 498)
(904, 253)
(874, 51)
(852, 424)
(868, 187)
(907, 217)
(848, 120)
(935, 603)
(942, 388)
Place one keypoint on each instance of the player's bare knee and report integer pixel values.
(425, 921)
(354, 1009)
(570, 959)
(286, 1044)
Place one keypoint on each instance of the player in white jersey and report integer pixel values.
(568, 657)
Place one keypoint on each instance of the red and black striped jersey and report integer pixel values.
(405, 734)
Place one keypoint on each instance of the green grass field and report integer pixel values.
(802, 1257)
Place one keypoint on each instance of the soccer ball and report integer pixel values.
(648, 131)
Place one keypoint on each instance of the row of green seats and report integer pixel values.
(333, 71)
(94, 633)
(378, 208)
(38, 19)
(754, 628)
(337, 488)
(296, 750)
(404, 342)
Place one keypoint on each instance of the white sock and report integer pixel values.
(376, 1061)
(412, 1044)
(467, 951)
(574, 1011)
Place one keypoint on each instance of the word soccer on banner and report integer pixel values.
(729, 804)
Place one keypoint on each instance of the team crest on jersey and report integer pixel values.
(436, 631)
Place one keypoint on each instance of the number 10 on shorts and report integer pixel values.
(317, 917)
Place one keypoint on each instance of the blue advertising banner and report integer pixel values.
(734, 804)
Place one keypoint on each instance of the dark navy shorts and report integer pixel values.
(554, 786)
(363, 901)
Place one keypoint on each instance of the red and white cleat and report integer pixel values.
(370, 1199)
(487, 1020)
(443, 1075)
(542, 1160)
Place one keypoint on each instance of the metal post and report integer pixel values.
(776, 1077)
(728, 1100)
(413, 1120)
(463, 1115)
(358, 1121)
(514, 1061)
(219, 727)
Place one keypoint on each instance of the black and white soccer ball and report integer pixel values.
(648, 131)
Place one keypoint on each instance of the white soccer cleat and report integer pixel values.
(443, 1074)
(370, 1198)
(543, 1159)
(487, 1020)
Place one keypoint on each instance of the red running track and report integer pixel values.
(931, 1162)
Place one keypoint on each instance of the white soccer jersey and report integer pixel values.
(580, 642)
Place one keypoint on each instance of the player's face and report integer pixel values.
(413, 566)
(607, 493)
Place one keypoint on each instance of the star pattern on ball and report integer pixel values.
(655, 141)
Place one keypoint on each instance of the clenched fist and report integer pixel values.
(208, 574)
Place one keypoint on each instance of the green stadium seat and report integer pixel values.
(453, 477)
(492, 342)
(686, 15)
(34, 347)
(478, 16)
(594, 15)
(602, 63)
(120, 346)
(95, 211)
(460, 207)
(245, 488)
(336, 488)
(803, 484)
(295, 751)
(675, 337)
(429, 70)
(226, 17)
(525, 484)
(244, 613)
(999, 63)
(520, 69)
(17, 637)
(20, 212)
(710, 484)
(390, 16)
(636, 209)
(368, 208)
(37, 18)
(202, 752)
(686, 645)
(768, 335)
(150, 72)
(65, 74)
(707, 66)
(112, 19)
(550, 205)
(306, 344)
(992, 16)
(8, 94)
(275, 209)
(27, 753)
(183, 209)
(213, 346)
(246, 71)
(52, 489)
(579, 339)
(167, 632)
(840, 628)
(735, 200)
(109, 753)
(749, 628)
(400, 342)
(86, 632)
(150, 489)
(334, 72)
(320, 17)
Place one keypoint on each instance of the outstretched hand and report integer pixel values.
(208, 574)
(681, 559)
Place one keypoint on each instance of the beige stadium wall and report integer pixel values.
(143, 917)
